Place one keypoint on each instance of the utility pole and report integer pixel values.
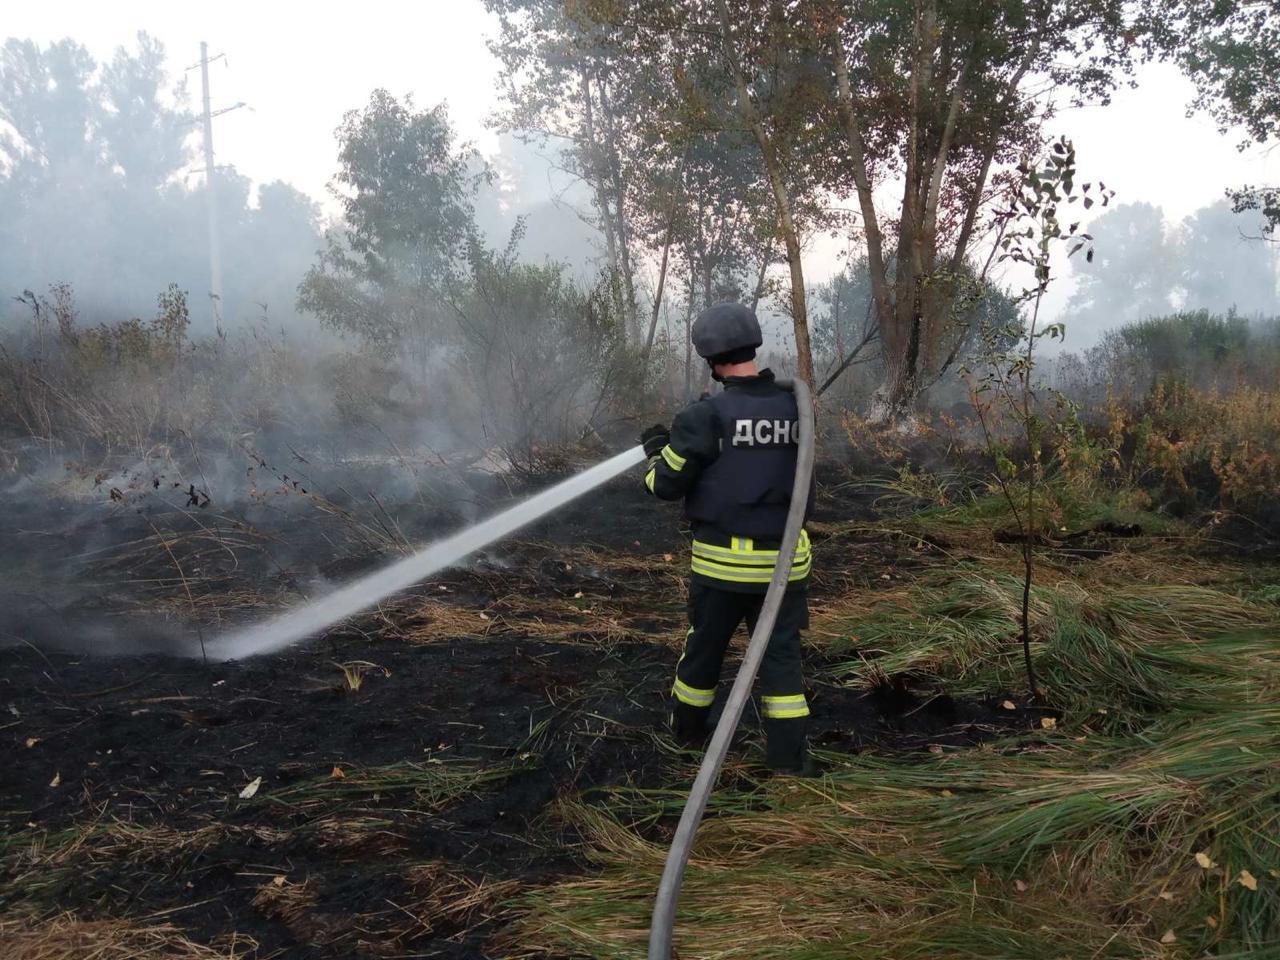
(210, 191)
(210, 183)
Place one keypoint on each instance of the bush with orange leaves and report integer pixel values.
(1187, 435)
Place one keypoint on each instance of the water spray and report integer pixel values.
(664, 908)
(310, 618)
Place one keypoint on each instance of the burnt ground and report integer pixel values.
(405, 817)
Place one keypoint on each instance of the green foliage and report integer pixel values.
(407, 219)
(543, 355)
(1062, 507)
(1231, 51)
(1183, 344)
(93, 165)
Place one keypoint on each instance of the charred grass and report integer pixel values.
(479, 768)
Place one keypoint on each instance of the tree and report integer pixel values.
(542, 355)
(142, 135)
(92, 195)
(562, 84)
(1134, 276)
(694, 89)
(715, 212)
(936, 93)
(406, 197)
(87, 161)
(48, 102)
(770, 58)
(1231, 51)
(845, 97)
(1146, 267)
(1222, 264)
(844, 325)
(1002, 385)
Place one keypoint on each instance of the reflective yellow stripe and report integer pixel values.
(740, 562)
(674, 460)
(722, 556)
(786, 708)
(729, 560)
(749, 572)
(743, 547)
(719, 571)
(692, 695)
(650, 478)
(764, 569)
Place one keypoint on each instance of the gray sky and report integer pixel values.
(300, 66)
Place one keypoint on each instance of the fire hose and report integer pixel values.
(664, 909)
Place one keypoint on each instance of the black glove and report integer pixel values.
(654, 439)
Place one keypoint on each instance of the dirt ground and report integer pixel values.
(286, 806)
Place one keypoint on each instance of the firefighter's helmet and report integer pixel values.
(726, 332)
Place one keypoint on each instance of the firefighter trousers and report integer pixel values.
(714, 615)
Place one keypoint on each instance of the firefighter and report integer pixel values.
(732, 458)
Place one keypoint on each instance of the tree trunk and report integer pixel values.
(596, 177)
(766, 257)
(862, 181)
(790, 234)
(835, 322)
(688, 337)
(621, 227)
(657, 295)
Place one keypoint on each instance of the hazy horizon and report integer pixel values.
(298, 78)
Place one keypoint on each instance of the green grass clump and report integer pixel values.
(1145, 826)
(1058, 848)
(1061, 508)
(1135, 649)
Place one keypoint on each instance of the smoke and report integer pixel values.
(98, 189)
(130, 554)
(312, 617)
(164, 457)
(1146, 266)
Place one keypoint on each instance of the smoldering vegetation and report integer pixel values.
(138, 460)
(350, 395)
(1042, 656)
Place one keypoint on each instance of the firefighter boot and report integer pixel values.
(689, 724)
(786, 749)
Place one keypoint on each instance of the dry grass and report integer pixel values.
(36, 864)
(407, 787)
(65, 937)
(292, 903)
(354, 837)
(591, 617)
(1063, 848)
(443, 896)
(1078, 843)
(1127, 647)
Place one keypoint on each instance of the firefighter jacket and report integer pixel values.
(732, 457)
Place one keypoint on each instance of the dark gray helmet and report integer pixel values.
(726, 328)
